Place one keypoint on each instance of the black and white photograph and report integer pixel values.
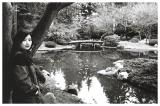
(79, 52)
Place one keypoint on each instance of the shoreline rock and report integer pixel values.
(54, 95)
(139, 72)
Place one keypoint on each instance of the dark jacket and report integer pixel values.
(26, 79)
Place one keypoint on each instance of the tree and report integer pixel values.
(38, 35)
(7, 44)
(87, 9)
(145, 15)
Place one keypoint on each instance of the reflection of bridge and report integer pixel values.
(93, 43)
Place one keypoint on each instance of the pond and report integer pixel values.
(79, 68)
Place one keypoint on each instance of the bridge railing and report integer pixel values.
(80, 43)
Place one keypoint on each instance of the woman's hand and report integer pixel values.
(37, 92)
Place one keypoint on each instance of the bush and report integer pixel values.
(111, 40)
(134, 40)
(61, 42)
(152, 42)
(50, 44)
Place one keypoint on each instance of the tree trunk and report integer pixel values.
(42, 28)
(7, 44)
(14, 21)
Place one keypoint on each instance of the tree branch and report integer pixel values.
(42, 28)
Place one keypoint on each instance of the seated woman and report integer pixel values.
(26, 77)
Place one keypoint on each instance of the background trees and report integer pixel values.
(92, 20)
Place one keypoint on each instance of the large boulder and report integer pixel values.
(111, 40)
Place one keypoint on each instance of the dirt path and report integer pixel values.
(140, 46)
(58, 47)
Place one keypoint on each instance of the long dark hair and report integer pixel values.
(20, 36)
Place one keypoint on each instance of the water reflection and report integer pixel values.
(92, 91)
(80, 69)
(58, 76)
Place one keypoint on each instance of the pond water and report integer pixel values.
(79, 68)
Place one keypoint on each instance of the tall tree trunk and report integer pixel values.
(42, 28)
(7, 44)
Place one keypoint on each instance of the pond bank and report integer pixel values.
(55, 95)
(43, 48)
(126, 45)
(139, 72)
(142, 73)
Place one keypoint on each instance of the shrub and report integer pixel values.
(111, 40)
(152, 42)
(134, 40)
(50, 44)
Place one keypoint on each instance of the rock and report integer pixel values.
(71, 89)
(112, 71)
(45, 73)
(119, 64)
(49, 98)
(53, 94)
(109, 71)
(122, 75)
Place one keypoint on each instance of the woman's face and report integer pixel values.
(26, 43)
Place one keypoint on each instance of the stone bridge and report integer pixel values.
(80, 43)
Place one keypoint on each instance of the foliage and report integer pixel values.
(142, 73)
(87, 9)
(62, 33)
(111, 40)
(145, 15)
(152, 42)
(92, 20)
(50, 44)
(28, 15)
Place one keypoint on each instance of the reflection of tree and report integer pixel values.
(137, 54)
(117, 95)
(79, 66)
(127, 55)
(111, 54)
(115, 90)
(145, 97)
(118, 92)
(82, 67)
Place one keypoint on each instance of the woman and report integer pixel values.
(25, 74)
